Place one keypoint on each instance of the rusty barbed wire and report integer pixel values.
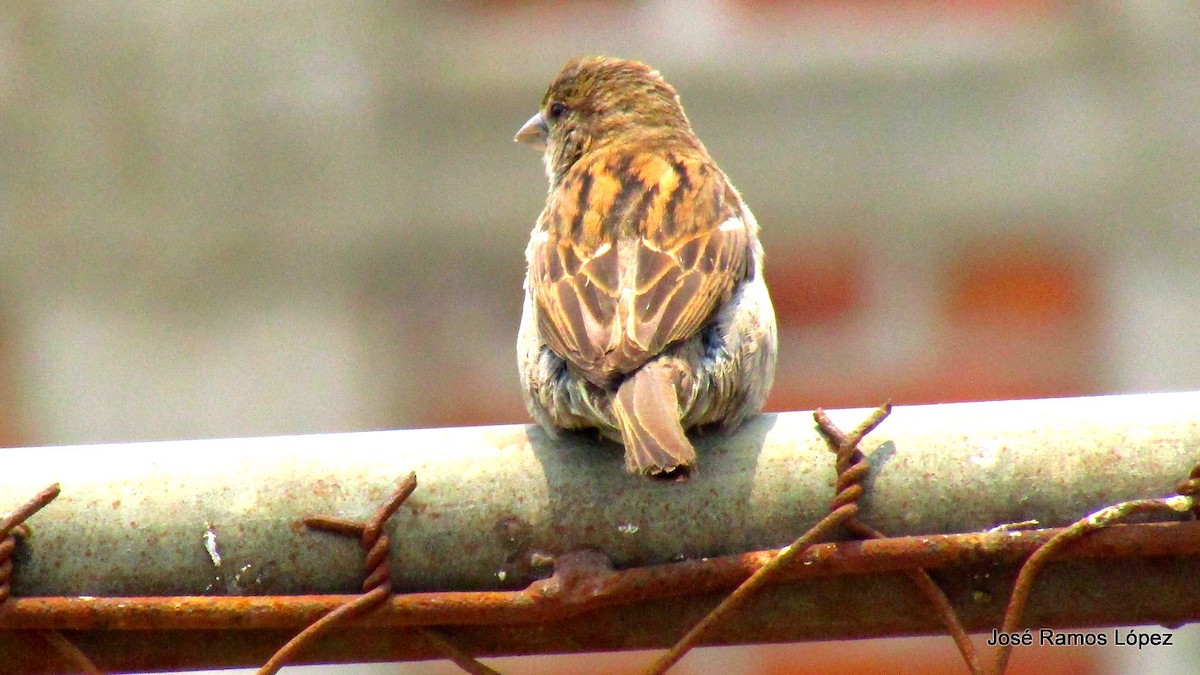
(455, 655)
(8, 544)
(377, 586)
(72, 656)
(1184, 502)
(552, 600)
(852, 467)
(13, 527)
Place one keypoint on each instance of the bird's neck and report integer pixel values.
(635, 139)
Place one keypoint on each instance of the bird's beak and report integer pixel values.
(534, 133)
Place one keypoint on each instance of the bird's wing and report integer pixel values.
(633, 253)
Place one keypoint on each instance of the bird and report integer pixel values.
(646, 313)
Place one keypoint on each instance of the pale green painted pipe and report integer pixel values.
(494, 505)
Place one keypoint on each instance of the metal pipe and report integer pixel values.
(495, 505)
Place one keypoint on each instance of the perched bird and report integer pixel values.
(645, 309)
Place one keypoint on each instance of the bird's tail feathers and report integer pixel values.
(647, 410)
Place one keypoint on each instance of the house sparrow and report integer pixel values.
(645, 308)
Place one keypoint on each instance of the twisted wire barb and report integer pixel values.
(852, 467)
(376, 587)
(8, 544)
(13, 527)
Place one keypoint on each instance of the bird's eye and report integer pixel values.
(557, 110)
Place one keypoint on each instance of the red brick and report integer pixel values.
(1006, 281)
(814, 282)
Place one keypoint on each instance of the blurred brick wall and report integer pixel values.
(1014, 318)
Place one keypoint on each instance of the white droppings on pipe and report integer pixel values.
(210, 544)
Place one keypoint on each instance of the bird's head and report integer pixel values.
(596, 102)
